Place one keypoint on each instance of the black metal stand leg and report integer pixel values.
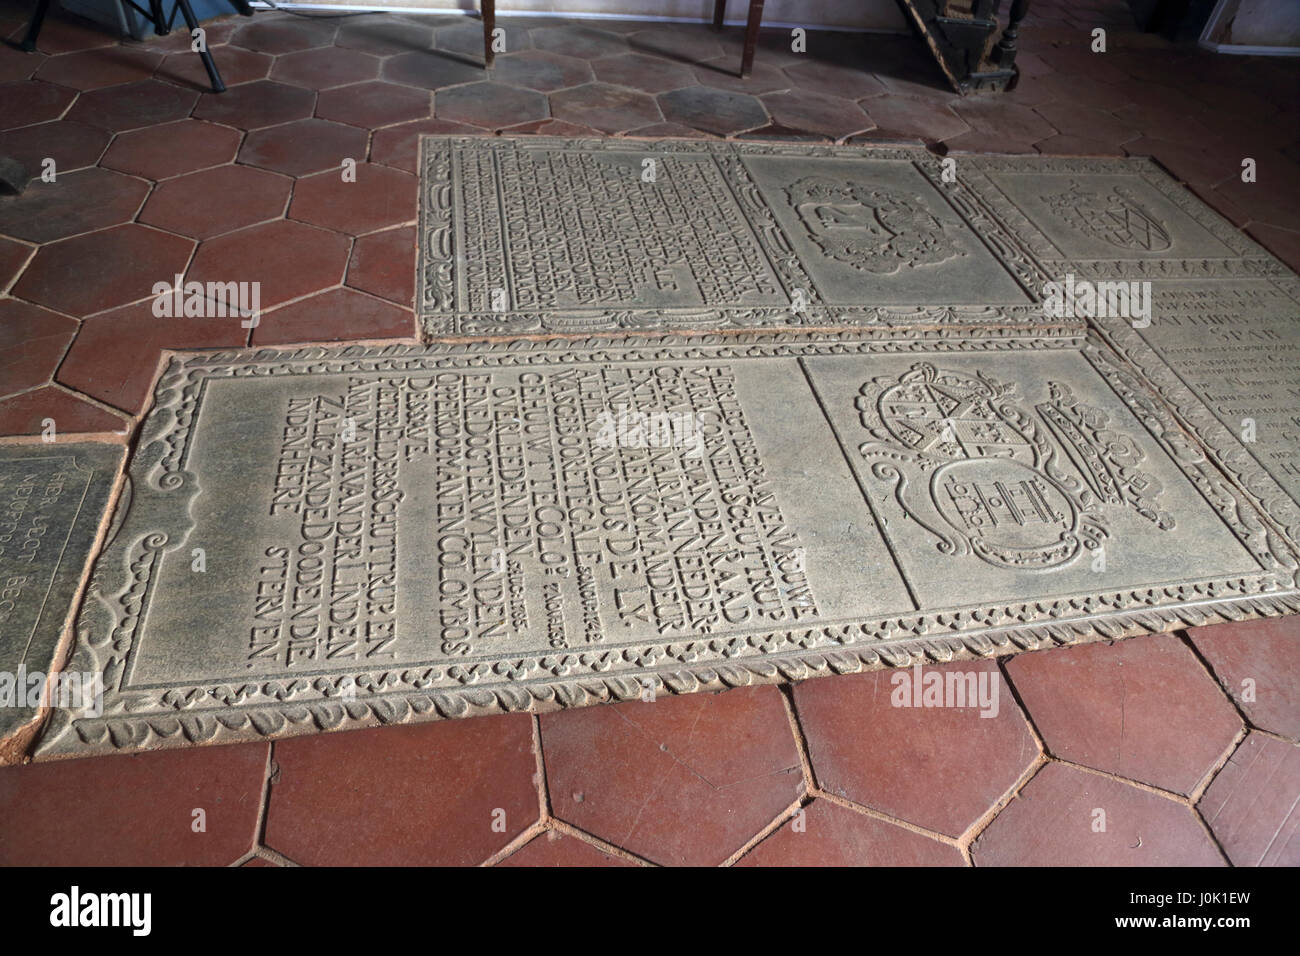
(34, 28)
(159, 18)
(209, 64)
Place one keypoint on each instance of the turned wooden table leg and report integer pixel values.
(751, 36)
(489, 24)
(1007, 45)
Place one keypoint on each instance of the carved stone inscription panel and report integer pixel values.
(408, 532)
(1111, 219)
(52, 500)
(1226, 354)
(541, 234)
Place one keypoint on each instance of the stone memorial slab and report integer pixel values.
(53, 499)
(324, 538)
(1111, 219)
(1221, 342)
(544, 235)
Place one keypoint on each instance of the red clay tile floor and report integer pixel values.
(1176, 749)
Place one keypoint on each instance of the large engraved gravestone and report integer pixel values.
(52, 502)
(330, 538)
(536, 234)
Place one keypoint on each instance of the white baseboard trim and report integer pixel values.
(1242, 50)
(507, 14)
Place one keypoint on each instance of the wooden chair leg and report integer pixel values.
(489, 24)
(719, 12)
(751, 36)
(34, 28)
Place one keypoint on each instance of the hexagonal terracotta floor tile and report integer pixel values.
(380, 197)
(16, 65)
(580, 42)
(142, 813)
(466, 39)
(28, 413)
(610, 109)
(490, 105)
(556, 849)
(421, 795)
(830, 835)
(722, 112)
(828, 115)
(115, 356)
(172, 149)
(276, 35)
(680, 780)
(303, 147)
(62, 33)
(133, 105)
(399, 146)
(32, 341)
(1144, 708)
(113, 267)
(940, 768)
(1258, 664)
(650, 74)
(1058, 145)
(384, 36)
(692, 43)
(779, 132)
(1283, 243)
(830, 79)
(1253, 805)
(1083, 122)
(340, 315)
(925, 117)
(374, 104)
(1003, 119)
(383, 264)
(979, 141)
(13, 257)
(326, 67)
(724, 73)
(31, 101)
(235, 64)
(76, 202)
(288, 260)
(659, 131)
(541, 70)
(71, 145)
(1190, 164)
(217, 200)
(1069, 817)
(258, 104)
(105, 66)
(430, 70)
(216, 32)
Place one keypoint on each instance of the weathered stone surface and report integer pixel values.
(52, 501)
(330, 538)
(539, 234)
(1221, 343)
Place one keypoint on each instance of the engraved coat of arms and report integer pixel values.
(870, 228)
(1019, 488)
(1116, 218)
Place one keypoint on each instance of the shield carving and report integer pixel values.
(870, 228)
